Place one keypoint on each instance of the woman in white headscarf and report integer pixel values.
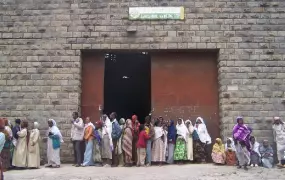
(203, 139)
(230, 151)
(34, 148)
(190, 128)
(158, 146)
(54, 141)
(180, 152)
(107, 143)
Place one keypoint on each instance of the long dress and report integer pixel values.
(127, 145)
(279, 138)
(21, 150)
(190, 143)
(107, 143)
(53, 154)
(180, 152)
(158, 147)
(34, 149)
(201, 141)
(6, 152)
(88, 137)
(97, 147)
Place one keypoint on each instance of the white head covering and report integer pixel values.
(232, 145)
(182, 129)
(191, 127)
(36, 125)
(54, 129)
(255, 147)
(202, 131)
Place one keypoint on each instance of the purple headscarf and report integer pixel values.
(242, 133)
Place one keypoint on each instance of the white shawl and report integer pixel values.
(182, 130)
(107, 129)
(54, 129)
(158, 132)
(202, 131)
(232, 145)
(191, 127)
(255, 147)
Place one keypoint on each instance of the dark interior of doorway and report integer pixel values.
(127, 84)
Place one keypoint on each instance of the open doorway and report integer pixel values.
(127, 84)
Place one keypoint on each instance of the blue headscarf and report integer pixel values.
(171, 132)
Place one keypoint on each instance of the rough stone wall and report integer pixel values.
(41, 43)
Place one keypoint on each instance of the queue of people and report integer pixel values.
(109, 142)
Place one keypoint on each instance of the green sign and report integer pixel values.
(156, 13)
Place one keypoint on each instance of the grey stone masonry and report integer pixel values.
(41, 43)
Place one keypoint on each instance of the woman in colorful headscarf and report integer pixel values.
(171, 137)
(218, 152)
(241, 135)
(230, 152)
(2, 142)
(180, 152)
(34, 148)
(189, 144)
(158, 146)
(54, 141)
(135, 128)
(201, 140)
(254, 153)
(21, 149)
(6, 152)
(127, 143)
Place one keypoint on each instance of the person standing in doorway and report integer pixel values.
(77, 133)
(135, 126)
(127, 143)
(279, 137)
(116, 134)
(107, 143)
(150, 131)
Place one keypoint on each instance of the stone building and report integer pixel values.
(223, 59)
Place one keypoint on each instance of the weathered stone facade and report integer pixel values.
(41, 43)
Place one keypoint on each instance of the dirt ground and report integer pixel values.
(171, 172)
